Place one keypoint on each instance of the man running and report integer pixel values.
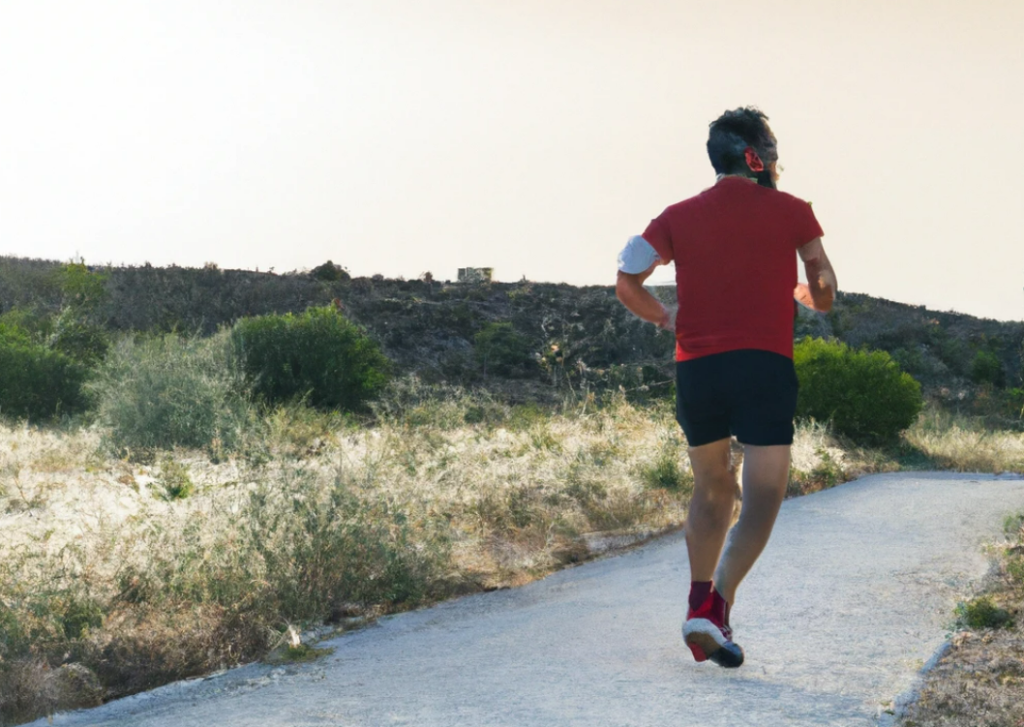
(733, 247)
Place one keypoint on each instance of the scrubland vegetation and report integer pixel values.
(980, 679)
(142, 572)
(178, 498)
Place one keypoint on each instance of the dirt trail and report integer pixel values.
(852, 598)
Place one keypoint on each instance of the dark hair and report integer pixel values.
(730, 135)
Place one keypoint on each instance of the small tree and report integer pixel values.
(77, 332)
(82, 288)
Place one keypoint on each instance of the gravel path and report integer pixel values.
(851, 599)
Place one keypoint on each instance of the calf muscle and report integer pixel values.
(765, 475)
(714, 494)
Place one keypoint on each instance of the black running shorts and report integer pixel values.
(748, 394)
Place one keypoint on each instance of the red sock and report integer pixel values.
(699, 592)
(721, 606)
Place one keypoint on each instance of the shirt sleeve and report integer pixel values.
(637, 256)
(657, 234)
(806, 227)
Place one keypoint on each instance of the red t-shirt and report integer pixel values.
(734, 247)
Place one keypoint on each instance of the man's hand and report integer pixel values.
(803, 295)
(629, 288)
(821, 278)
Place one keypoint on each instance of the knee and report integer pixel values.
(717, 485)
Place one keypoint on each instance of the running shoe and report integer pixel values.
(709, 636)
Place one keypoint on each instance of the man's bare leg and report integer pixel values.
(711, 514)
(711, 508)
(765, 475)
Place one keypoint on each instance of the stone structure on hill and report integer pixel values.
(475, 275)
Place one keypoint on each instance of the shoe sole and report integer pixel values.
(729, 656)
(707, 643)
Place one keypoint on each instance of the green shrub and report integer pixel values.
(982, 613)
(1015, 570)
(910, 359)
(330, 272)
(499, 349)
(863, 393)
(168, 391)
(74, 336)
(987, 368)
(954, 352)
(37, 383)
(318, 354)
(81, 287)
(74, 329)
(33, 321)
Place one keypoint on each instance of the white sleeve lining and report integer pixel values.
(637, 256)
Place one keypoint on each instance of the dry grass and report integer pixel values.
(118, 576)
(980, 679)
(937, 441)
(136, 579)
(962, 444)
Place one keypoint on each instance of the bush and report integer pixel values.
(1015, 570)
(863, 393)
(987, 368)
(78, 339)
(499, 349)
(37, 383)
(74, 329)
(81, 287)
(33, 321)
(318, 354)
(982, 613)
(168, 391)
(329, 272)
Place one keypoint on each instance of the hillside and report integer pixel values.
(534, 335)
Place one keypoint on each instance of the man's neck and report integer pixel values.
(720, 177)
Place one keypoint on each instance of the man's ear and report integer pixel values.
(753, 160)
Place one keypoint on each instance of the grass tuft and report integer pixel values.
(982, 613)
(175, 482)
(666, 472)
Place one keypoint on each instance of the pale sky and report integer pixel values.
(532, 136)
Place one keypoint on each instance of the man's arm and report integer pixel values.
(629, 288)
(821, 278)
